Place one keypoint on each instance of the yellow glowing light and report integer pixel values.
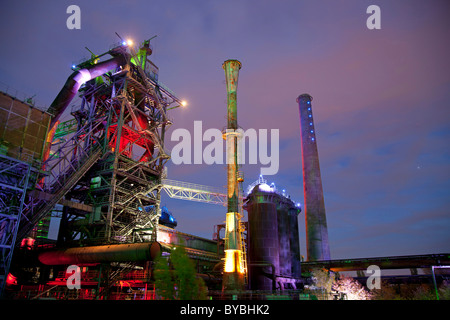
(233, 261)
(229, 260)
(129, 42)
(184, 103)
(230, 221)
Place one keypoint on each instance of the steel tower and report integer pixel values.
(316, 225)
(105, 165)
(235, 268)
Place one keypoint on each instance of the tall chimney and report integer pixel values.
(317, 246)
(233, 276)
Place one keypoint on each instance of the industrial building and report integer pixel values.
(103, 173)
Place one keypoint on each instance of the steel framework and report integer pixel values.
(105, 165)
(194, 192)
(14, 182)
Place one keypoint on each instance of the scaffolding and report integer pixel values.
(23, 130)
(121, 123)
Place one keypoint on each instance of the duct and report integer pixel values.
(75, 81)
(263, 265)
(101, 254)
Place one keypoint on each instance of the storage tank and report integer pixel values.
(284, 238)
(294, 239)
(262, 235)
(273, 238)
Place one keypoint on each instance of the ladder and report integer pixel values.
(243, 252)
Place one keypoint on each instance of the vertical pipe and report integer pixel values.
(233, 278)
(232, 68)
(317, 246)
(434, 283)
(295, 242)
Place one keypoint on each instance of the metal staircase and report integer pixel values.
(60, 185)
(141, 221)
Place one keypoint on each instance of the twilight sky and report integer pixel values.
(381, 99)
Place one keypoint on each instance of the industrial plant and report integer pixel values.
(103, 173)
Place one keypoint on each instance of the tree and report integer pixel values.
(323, 279)
(179, 281)
(164, 285)
(352, 288)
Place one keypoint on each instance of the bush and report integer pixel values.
(176, 278)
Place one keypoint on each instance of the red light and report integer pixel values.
(11, 280)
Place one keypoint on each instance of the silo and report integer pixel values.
(294, 239)
(263, 245)
(284, 236)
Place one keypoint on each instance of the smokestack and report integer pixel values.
(317, 246)
(233, 276)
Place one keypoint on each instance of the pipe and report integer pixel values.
(76, 80)
(69, 91)
(232, 68)
(101, 254)
(263, 265)
(233, 277)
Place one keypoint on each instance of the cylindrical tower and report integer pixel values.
(317, 246)
(294, 239)
(263, 243)
(233, 276)
(284, 236)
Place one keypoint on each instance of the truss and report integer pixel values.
(194, 192)
(14, 182)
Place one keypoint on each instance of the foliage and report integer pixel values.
(444, 291)
(180, 281)
(323, 279)
(352, 289)
(164, 284)
(387, 291)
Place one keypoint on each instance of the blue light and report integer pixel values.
(310, 116)
(309, 109)
(309, 102)
(310, 123)
(312, 131)
(124, 43)
(74, 66)
(312, 139)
